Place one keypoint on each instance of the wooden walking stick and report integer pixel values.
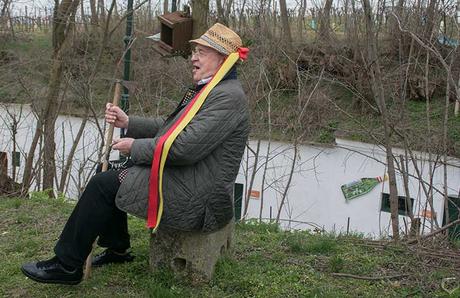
(105, 163)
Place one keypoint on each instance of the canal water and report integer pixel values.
(313, 198)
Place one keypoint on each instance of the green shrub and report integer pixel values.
(336, 263)
(303, 242)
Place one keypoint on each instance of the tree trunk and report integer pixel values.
(241, 16)
(253, 176)
(286, 30)
(430, 20)
(301, 18)
(269, 130)
(83, 18)
(28, 165)
(62, 28)
(101, 9)
(10, 20)
(148, 26)
(53, 22)
(68, 164)
(379, 93)
(200, 10)
(394, 25)
(97, 63)
(324, 21)
(49, 166)
(228, 10)
(94, 17)
(4, 7)
(4, 15)
(262, 190)
(220, 12)
(288, 184)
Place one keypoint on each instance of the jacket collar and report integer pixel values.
(231, 75)
(191, 92)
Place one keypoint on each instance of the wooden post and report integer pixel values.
(14, 132)
(105, 164)
(457, 102)
(26, 20)
(34, 20)
(348, 225)
(19, 21)
(45, 21)
(3, 170)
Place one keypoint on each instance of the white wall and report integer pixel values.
(315, 195)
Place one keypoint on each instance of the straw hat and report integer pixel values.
(221, 38)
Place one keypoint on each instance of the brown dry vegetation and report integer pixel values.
(373, 73)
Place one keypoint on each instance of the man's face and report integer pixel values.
(206, 61)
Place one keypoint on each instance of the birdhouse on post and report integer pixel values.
(176, 31)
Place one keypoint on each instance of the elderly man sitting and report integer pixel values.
(184, 167)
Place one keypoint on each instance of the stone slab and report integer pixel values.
(190, 254)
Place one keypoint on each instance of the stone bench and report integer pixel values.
(190, 254)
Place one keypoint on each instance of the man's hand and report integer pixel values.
(123, 145)
(114, 115)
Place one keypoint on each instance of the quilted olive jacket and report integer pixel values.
(201, 167)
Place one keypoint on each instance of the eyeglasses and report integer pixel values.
(199, 52)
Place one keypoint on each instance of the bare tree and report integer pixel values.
(325, 21)
(66, 168)
(286, 29)
(253, 175)
(288, 184)
(220, 12)
(200, 11)
(269, 132)
(101, 9)
(93, 9)
(4, 13)
(444, 141)
(379, 93)
(301, 19)
(62, 28)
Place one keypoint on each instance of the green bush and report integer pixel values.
(302, 242)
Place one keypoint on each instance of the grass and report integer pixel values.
(364, 123)
(24, 67)
(30, 43)
(266, 262)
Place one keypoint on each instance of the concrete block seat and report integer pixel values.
(190, 254)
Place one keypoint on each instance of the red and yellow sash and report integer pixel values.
(160, 154)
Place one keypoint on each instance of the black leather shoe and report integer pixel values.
(108, 256)
(52, 271)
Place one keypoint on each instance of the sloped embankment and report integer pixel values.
(266, 263)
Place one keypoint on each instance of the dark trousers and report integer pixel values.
(95, 215)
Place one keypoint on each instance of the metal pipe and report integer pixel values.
(457, 102)
(124, 103)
